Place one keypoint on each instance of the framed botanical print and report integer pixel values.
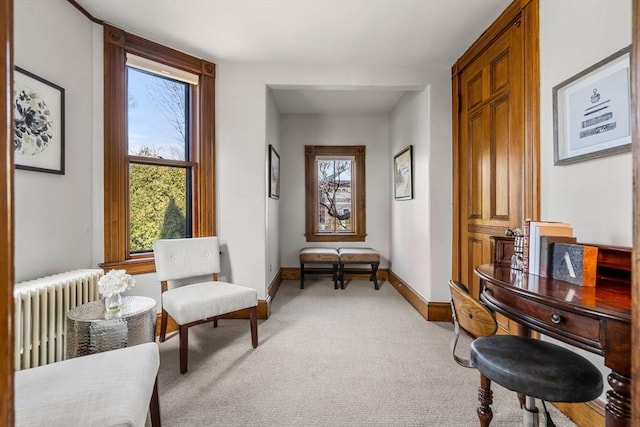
(38, 117)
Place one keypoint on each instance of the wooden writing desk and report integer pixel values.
(596, 319)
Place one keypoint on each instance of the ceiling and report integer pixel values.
(403, 33)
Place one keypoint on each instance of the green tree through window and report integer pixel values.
(159, 179)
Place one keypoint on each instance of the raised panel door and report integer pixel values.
(491, 149)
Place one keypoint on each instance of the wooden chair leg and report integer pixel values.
(485, 396)
(302, 275)
(184, 346)
(154, 406)
(522, 399)
(253, 322)
(163, 325)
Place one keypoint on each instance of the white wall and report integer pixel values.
(59, 218)
(370, 130)
(596, 195)
(53, 213)
(421, 227)
(241, 123)
(273, 205)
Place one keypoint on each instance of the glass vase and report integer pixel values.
(112, 304)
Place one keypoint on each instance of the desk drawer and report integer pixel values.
(572, 325)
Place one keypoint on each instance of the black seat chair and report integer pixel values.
(530, 367)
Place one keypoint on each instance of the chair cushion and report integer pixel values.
(112, 388)
(200, 301)
(319, 255)
(536, 368)
(358, 255)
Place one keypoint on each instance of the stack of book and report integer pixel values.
(539, 238)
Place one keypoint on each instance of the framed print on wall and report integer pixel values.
(38, 117)
(403, 174)
(274, 173)
(592, 111)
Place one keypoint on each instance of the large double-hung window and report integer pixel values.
(159, 153)
(159, 148)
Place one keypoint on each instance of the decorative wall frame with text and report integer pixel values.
(274, 173)
(403, 174)
(38, 117)
(592, 111)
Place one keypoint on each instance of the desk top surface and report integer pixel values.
(608, 298)
(94, 311)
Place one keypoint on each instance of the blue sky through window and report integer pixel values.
(151, 120)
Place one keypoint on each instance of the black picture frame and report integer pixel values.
(403, 174)
(38, 117)
(274, 173)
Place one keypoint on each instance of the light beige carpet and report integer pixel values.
(326, 357)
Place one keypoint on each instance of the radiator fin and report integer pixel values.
(40, 314)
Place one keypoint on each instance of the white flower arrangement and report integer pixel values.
(115, 282)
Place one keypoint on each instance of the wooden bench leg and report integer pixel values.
(302, 275)
(341, 274)
(253, 323)
(335, 276)
(374, 274)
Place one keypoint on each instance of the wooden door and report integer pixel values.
(493, 138)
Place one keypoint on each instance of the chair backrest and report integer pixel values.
(469, 315)
(472, 316)
(184, 258)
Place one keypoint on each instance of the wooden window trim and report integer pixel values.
(359, 233)
(116, 159)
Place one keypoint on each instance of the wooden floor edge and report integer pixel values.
(587, 414)
(293, 273)
(431, 310)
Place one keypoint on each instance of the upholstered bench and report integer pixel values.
(109, 388)
(359, 256)
(319, 256)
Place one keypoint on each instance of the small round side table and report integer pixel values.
(88, 331)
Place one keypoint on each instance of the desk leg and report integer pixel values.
(618, 408)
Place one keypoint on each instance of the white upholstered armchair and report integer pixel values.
(205, 301)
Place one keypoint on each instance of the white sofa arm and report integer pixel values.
(112, 388)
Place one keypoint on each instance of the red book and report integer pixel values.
(525, 245)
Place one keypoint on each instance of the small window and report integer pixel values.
(335, 193)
